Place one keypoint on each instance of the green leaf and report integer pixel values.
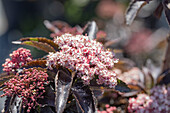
(39, 45)
(41, 39)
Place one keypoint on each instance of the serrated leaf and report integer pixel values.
(166, 5)
(91, 30)
(63, 83)
(41, 39)
(84, 97)
(121, 86)
(133, 10)
(39, 45)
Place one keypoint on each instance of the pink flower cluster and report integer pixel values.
(87, 57)
(109, 109)
(140, 104)
(18, 58)
(157, 102)
(29, 86)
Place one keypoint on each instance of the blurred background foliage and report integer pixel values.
(144, 39)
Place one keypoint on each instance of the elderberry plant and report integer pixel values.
(60, 81)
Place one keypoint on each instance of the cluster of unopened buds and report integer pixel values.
(157, 102)
(18, 58)
(109, 109)
(87, 57)
(29, 86)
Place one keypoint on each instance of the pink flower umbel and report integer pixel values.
(157, 102)
(87, 57)
(29, 86)
(18, 58)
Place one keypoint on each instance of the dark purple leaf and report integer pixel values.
(49, 97)
(158, 11)
(133, 10)
(14, 105)
(164, 78)
(137, 87)
(166, 64)
(98, 93)
(121, 86)
(39, 45)
(46, 109)
(35, 63)
(63, 83)
(91, 30)
(7, 104)
(166, 6)
(148, 78)
(129, 94)
(84, 97)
